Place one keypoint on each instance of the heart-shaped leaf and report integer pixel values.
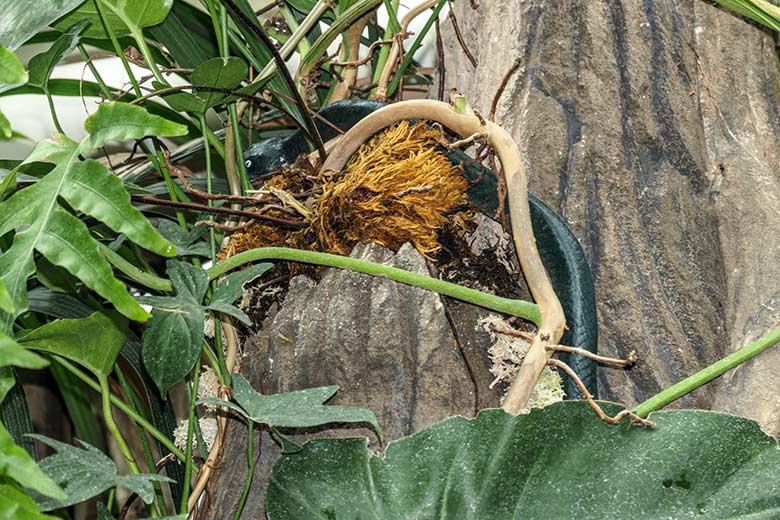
(173, 337)
(558, 462)
(299, 409)
(222, 73)
(93, 342)
(86, 472)
(41, 65)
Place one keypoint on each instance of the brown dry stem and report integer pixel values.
(630, 360)
(593, 404)
(465, 124)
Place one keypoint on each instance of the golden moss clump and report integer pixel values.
(397, 188)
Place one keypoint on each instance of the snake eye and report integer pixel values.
(248, 163)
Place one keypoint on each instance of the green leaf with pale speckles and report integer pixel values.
(559, 462)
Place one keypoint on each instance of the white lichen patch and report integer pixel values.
(208, 427)
(506, 355)
(208, 386)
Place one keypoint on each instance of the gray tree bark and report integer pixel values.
(652, 127)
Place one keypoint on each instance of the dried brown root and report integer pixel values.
(630, 360)
(593, 404)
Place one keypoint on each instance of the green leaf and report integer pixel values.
(93, 342)
(173, 337)
(15, 463)
(558, 462)
(231, 287)
(141, 13)
(22, 20)
(87, 424)
(41, 65)
(6, 303)
(188, 243)
(300, 409)
(86, 472)
(13, 354)
(120, 121)
(223, 73)
(12, 73)
(5, 129)
(15, 504)
(87, 186)
(187, 34)
(230, 310)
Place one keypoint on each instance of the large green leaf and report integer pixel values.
(41, 65)
(6, 303)
(300, 409)
(141, 13)
(558, 462)
(187, 34)
(174, 336)
(86, 472)
(93, 342)
(222, 73)
(22, 20)
(12, 73)
(15, 504)
(13, 354)
(89, 187)
(16, 464)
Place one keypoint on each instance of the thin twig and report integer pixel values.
(181, 173)
(466, 140)
(282, 67)
(440, 64)
(225, 228)
(502, 87)
(593, 404)
(459, 36)
(630, 360)
(362, 61)
(220, 211)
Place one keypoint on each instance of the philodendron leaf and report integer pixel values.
(188, 243)
(16, 464)
(299, 409)
(6, 303)
(40, 66)
(558, 462)
(13, 354)
(12, 73)
(140, 13)
(86, 472)
(93, 342)
(222, 73)
(87, 186)
(15, 504)
(23, 20)
(173, 337)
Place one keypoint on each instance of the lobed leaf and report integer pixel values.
(299, 409)
(86, 472)
(120, 121)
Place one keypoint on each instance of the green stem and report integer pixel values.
(134, 273)
(117, 48)
(188, 457)
(146, 425)
(53, 111)
(702, 377)
(523, 309)
(108, 417)
(399, 74)
(250, 455)
(384, 52)
(85, 56)
(234, 123)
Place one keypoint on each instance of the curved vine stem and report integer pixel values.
(552, 321)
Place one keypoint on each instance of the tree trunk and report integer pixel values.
(652, 126)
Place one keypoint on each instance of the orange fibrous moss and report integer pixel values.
(397, 188)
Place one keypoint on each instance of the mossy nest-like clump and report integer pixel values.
(398, 187)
